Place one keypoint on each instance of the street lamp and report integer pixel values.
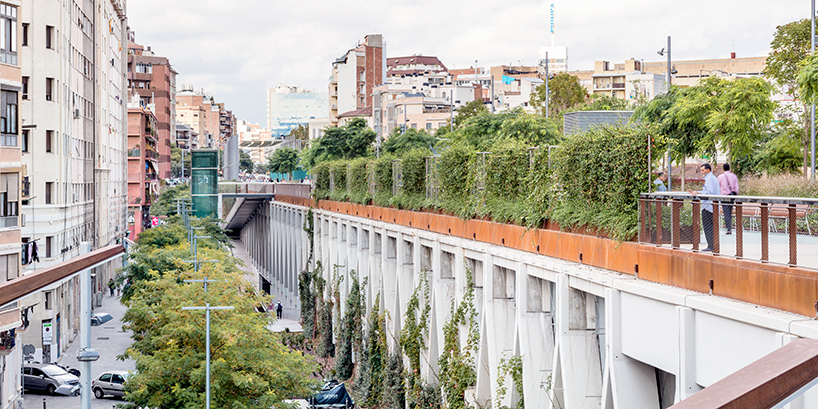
(669, 81)
(207, 308)
(812, 108)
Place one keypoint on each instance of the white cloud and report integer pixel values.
(237, 49)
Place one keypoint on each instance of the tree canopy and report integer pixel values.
(347, 142)
(250, 366)
(283, 160)
(484, 130)
(401, 142)
(245, 162)
(565, 92)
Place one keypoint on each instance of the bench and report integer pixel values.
(777, 211)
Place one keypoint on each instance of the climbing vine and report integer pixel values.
(394, 393)
(512, 367)
(351, 339)
(308, 296)
(374, 355)
(457, 365)
(415, 329)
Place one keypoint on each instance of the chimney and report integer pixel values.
(733, 55)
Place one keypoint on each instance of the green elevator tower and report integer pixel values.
(204, 182)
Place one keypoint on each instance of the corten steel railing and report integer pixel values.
(782, 230)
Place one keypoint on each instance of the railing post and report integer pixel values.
(675, 212)
(793, 238)
(643, 214)
(716, 227)
(765, 232)
(738, 212)
(696, 222)
(659, 239)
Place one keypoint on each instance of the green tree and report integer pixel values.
(165, 204)
(400, 143)
(283, 160)
(789, 47)
(176, 162)
(350, 141)
(263, 168)
(601, 102)
(300, 132)
(564, 91)
(245, 162)
(471, 109)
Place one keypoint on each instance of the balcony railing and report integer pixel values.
(766, 229)
(134, 153)
(151, 154)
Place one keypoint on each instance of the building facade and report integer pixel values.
(288, 107)
(143, 166)
(355, 75)
(154, 79)
(210, 119)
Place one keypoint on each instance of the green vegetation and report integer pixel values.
(250, 366)
(245, 162)
(564, 91)
(458, 362)
(283, 160)
(165, 204)
(347, 142)
(176, 162)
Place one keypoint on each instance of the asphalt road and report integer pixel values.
(109, 340)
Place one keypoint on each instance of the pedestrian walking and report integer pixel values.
(711, 188)
(279, 310)
(728, 184)
(111, 286)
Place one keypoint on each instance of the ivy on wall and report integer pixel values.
(456, 362)
(510, 367)
(415, 330)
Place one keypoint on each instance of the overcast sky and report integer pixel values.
(236, 49)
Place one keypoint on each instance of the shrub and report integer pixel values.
(412, 194)
(339, 171)
(383, 180)
(358, 186)
(320, 173)
(783, 185)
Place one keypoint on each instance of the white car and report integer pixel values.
(109, 383)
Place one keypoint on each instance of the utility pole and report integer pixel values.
(207, 308)
(546, 84)
(812, 108)
(669, 83)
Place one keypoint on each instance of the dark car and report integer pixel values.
(109, 383)
(100, 318)
(49, 378)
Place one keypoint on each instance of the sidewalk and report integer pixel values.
(290, 316)
(109, 340)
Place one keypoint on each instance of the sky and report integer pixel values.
(236, 49)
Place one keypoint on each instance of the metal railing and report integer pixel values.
(779, 230)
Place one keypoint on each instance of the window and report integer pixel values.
(26, 188)
(49, 139)
(10, 263)
(9, 199)
(8, 34)
(25, 140)
(49, 36)
(25, 87)
(49, 241)
(105, 378)
(144, 68)
(25, 34)
(49, 89)
(8, 118)
(49, 186)
(47, 300)
(428, 126)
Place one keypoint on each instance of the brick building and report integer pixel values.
(143, 165)
(355, 75)
(154, 80)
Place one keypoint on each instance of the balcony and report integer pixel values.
(151, 155)
(619, 85)
(134, 153)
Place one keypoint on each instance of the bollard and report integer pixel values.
(43, 403)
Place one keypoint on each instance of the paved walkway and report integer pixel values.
(109, 340)
(290, 316)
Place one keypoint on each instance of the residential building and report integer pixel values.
(11, 176)
(211, 120)
(288, 107)
(154, 79)
(355, 75)
(254, 140)
(186, 138)
(557, 59)
(143, 165)
(317, 126)
(413, 64)
(73, 153)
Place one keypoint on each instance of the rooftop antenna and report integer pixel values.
(552, 24)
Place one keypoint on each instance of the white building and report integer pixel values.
(557, 59)
(75, 124)
(288, 107)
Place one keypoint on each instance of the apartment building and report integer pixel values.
(72, 57)
(11, 171)
(355, 75)
(143, 165)
(210, 119)
(288, 107)
(153, 78)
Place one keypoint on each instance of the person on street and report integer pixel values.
(659, 183)
(711, 187)
(279, 309)
(728, 183)
(111, 286)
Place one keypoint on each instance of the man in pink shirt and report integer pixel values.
(728, 183)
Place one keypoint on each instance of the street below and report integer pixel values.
(109, 340)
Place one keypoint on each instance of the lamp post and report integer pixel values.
(546, 84)
(207, 308)
(669, 82)
(812, 108)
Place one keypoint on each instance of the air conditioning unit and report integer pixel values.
(76, 113)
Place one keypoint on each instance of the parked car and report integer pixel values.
(50, 378)
(109, 383)
(100, 318)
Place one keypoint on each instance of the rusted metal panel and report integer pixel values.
(763, 383)
(29, 283)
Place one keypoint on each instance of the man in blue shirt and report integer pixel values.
(711, 187)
